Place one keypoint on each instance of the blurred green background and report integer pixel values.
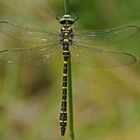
(106, 101)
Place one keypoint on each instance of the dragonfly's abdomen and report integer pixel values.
(63, 113)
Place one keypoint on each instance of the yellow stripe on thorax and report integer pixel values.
(66, 40)
(69, 28)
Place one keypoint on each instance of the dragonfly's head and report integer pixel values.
(66, 19)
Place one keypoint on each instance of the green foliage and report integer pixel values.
(106, 101)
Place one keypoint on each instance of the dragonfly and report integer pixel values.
(83, 47)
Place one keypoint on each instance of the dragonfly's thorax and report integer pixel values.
(66, 35)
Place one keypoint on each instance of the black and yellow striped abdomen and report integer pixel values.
(66, 37)
(63, 113)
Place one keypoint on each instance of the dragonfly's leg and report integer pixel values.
(57, 17)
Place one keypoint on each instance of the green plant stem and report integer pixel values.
(66, 6)
(70, 99)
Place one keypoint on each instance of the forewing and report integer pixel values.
(108, 36)
(31, 56)
(28, 35)
(99, 58)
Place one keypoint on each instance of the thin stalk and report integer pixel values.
(66, 6)
(70, 99)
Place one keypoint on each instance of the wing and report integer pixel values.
(99, 58)
(108, 36)
(31, 56)
(26, 34)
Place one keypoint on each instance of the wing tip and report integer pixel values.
(134, 58)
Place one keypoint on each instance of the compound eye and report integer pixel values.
(63, 22)
(70, 22)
